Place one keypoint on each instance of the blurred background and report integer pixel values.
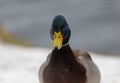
(95, 24)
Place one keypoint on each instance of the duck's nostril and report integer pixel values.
(59, 37)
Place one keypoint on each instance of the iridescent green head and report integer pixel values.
(60, 32)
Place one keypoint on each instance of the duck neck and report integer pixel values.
(63, 56)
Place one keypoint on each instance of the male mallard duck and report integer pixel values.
(64, 65)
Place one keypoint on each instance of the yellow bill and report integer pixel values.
(57, 40)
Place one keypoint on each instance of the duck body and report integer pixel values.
(65, 65)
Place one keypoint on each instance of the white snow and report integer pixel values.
(21, 65)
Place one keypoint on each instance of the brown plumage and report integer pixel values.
(66, 66)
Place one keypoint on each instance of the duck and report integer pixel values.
(64, 65)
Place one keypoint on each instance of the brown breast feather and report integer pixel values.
(65, 72)
(80, 53)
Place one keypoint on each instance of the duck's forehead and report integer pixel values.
(57, 23)
(59, 20)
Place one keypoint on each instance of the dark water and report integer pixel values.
(95, 24)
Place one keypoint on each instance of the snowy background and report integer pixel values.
(21, 65)
(95, 24)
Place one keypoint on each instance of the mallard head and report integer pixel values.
(60, 32)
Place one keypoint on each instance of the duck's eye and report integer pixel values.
(59, 37)
(63, 25)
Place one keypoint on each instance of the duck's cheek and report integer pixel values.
(57, 40)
